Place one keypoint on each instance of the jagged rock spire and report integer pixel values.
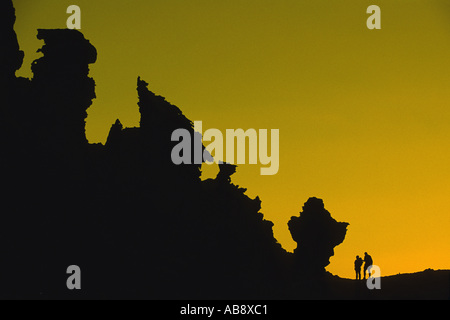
(63, 88)
(316, 234)
(11, 57)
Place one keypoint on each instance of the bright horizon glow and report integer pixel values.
(363, 115)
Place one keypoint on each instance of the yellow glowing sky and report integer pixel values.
(363, 114)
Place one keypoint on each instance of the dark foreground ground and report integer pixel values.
(426, 285)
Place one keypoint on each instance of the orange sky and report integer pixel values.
(363, 114)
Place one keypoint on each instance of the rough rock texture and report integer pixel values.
(316, 234)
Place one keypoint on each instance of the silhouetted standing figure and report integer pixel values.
(368, 262)
(358, 265)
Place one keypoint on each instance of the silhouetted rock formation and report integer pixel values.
(138, 225)
(316, 234)
(63, 89)
(11, 58)
(226, 171)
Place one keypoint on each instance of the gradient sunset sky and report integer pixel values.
(364, 115)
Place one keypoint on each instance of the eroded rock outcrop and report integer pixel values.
(316, 234)
(62, 86)
(11, 57)
(138, 224)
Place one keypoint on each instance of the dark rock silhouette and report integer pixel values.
(11, 58)
(316, 234)
(226, 170)
(63, 89)
(136, 224)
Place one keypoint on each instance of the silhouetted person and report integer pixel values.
(358, 265)
(368, 262)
